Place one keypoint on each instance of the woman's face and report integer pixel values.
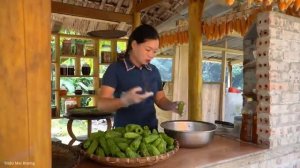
(143, 53)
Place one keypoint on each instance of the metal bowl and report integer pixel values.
(190, 134)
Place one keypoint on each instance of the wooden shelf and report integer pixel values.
(105, 63)
(77, 76)
(77, 56)
(93, 45)
(252, 95)
(76, 37)
(84, 95)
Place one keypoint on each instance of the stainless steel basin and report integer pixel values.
(190, 134)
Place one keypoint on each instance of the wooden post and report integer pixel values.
(57, 74)
(230, 78)
(25, 63)
(223, 84)
(195, 60)
(136, 16)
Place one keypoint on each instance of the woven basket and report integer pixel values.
(132, 162)
(64, 156)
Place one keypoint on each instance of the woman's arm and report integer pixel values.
(164, 103)
(107, 102)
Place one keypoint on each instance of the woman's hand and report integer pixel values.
(134, 97)
(177, 107)
(164, 103)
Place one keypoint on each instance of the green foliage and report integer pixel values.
(121, 46)
(212, 73)
(102, 69)
(164, 66)
(237, 75)
(59, 127)
(105, 45)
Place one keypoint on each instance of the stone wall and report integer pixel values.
(278, 79)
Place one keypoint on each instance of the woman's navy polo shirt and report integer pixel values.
(124, 76)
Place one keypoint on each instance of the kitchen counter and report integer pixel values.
(222, 149)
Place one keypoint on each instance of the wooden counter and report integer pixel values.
(220, 150)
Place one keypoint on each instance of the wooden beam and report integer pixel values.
(145, 4)
(237, 62)
(136, 15)
(73, 10)
(223, 85)
(136, 19)
(221, 49)
(212, 60)
(195, 60)
(214, 49)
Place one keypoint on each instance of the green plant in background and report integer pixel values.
(237, 76)
(102, 69)
(87, 102)
(164, 66)
(212, 73)
(72, 83)
(121, 46)
(105, 45)
(59, 127)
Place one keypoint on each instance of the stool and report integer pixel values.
(89, 119)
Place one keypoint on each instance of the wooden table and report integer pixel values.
(89, 119)
(220, 150)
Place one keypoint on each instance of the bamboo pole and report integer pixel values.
(136, 19)
(57, 76)
(230, 78)
(223, 85)
(195, 60)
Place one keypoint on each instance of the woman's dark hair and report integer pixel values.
(140, 35)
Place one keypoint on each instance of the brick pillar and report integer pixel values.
(278, 79)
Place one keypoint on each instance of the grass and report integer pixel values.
(59, 127)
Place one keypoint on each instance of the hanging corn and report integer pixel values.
(229, 2)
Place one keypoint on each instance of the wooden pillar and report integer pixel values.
(136, 16)
(25, 63)
(195, 60)
(230, 78)
(223, 84)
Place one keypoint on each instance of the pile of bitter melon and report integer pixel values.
(132, 141)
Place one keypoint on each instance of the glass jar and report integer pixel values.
(247, 120)
(63, 69)
(85, 69)
(71, 70)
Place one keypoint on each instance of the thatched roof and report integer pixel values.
(153, 15)
(163, 15)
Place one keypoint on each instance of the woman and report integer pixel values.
(132, 86)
